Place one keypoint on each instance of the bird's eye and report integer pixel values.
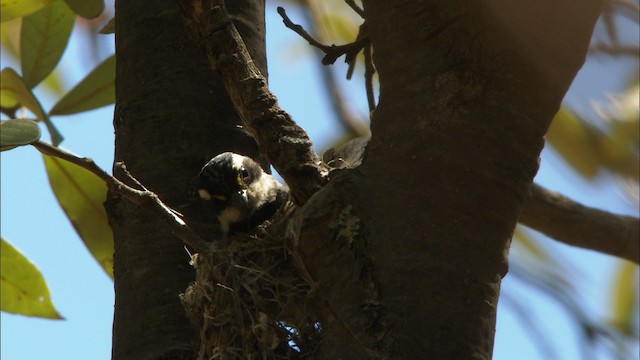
(245, 175)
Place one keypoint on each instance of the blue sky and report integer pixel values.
(32, 220)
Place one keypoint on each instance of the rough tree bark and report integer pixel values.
(405, 254)
(172, 115)
(468, 90)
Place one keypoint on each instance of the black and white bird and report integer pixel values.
(239, 192)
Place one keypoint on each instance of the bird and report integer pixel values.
(239, 191)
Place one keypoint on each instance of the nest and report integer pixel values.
(249, 301)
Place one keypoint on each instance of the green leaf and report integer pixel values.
(624, 297)
(8, 100)
(18, 132)
(576, 142)
(13, 89)
(81, 194)
(23, 288)
(12, 9)
(88, 9)
(96, 90)
(10, 37)
(44, 37)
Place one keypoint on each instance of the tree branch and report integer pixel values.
(572, 223)
(369, 70)
(615, 49)
(343, 112)
(351, 51)
(141, 196)
(352, 4)
(333, 52)
(286, 145)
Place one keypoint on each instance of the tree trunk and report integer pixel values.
(404, 255)
(172, 115)
(408, 250)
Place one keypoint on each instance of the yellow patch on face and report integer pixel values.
(204, 194)
(239, 180)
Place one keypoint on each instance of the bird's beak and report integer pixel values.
(240, 201)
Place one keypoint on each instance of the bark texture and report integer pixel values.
(172, 115)
(408, 250)
(454, 149)
(403, 256)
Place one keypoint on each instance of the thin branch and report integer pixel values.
(332, 52)
(84, 162)
(351, 51)
(352, 4)
(142, 196)
(615, 50)
(344, 114)
(298, 29)
(369, 70)
(280, 139)
(572, 223)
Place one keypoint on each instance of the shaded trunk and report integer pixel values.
(403, 256)
(172, 115)
(408, 250)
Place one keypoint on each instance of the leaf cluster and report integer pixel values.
(43, 29)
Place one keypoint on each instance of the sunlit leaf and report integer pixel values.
(13, 88)
(8, 100)
(12, 9)
(88, 9)
(342, 29)
(81, 195)
(94, 91)
(10, 37)
(575, 142)
(624, 297)
(23, 288)
(43, 39)
(53, 83)
(18, 132)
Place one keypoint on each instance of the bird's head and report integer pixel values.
(237, 189)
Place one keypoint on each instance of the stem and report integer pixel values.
(142, 196)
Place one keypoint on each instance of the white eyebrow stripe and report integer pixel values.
(237, 161)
